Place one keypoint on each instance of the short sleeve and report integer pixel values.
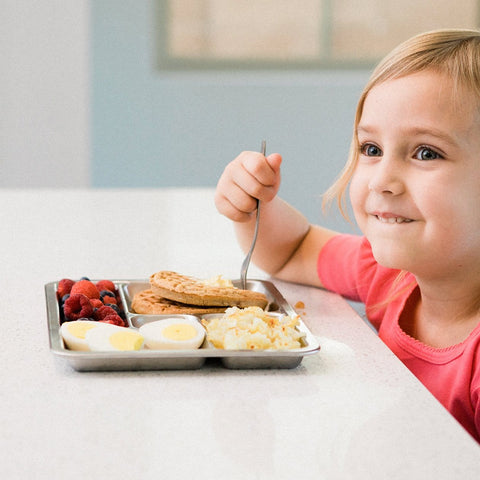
(475, 398)
(343, 266)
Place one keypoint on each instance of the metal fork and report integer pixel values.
(246, 262)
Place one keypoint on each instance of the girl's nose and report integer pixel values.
(387, 177)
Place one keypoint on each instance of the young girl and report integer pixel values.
(414, 182)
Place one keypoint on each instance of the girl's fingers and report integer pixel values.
(265, 170)
(249, 177)
(229, 206)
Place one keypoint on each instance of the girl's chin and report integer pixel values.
(391, 256)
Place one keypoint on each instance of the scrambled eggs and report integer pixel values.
(252, 328)
(218, 281)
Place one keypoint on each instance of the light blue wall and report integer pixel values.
(154, 128)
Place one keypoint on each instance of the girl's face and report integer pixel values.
(415, 191)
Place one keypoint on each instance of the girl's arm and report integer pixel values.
(287, 244)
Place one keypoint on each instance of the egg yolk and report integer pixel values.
(126, 340)
(79, 329)
(179, 332)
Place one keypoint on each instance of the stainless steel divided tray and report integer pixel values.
(176, 359)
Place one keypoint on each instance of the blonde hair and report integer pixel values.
(455, 53)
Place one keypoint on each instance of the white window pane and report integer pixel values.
(242, 29)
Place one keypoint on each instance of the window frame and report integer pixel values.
(326, 61)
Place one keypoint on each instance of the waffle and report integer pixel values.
(147, 303)
(191, 291)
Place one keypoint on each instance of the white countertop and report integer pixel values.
(353, 411)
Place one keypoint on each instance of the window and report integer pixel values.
(211, 34)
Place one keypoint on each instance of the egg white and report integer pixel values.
(100, 339)
(73, 334)
(155, 337)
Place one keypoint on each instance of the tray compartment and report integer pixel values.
(137, 320)
(129, 289)
(127, 292)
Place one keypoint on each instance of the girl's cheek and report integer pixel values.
(356, 190)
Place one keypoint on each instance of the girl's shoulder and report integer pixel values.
(346, 265)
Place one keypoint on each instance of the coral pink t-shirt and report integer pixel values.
(346, 266)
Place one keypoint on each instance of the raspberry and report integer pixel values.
(64, 287)
(77, 306)
(117, 309)
(102, 312)
(96, 303)
(105, 285)
(108, 299)
(87, 288)
(114, 320)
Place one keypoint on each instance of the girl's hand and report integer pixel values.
(249, 177)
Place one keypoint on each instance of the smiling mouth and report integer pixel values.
(393, 219)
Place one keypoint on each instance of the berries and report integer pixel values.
(64, 287)
(114, 320)
(96, 302)
(84, 299)
(102, 312)
(107, 296)
(105, 285)
(107, 300)
(114, 307)
(87, 288)
(77, 306)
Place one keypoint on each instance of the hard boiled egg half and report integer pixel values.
(73, 333)
(173, 334)
(112, 338)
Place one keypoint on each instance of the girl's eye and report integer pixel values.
(370, 150)
(426, 153)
